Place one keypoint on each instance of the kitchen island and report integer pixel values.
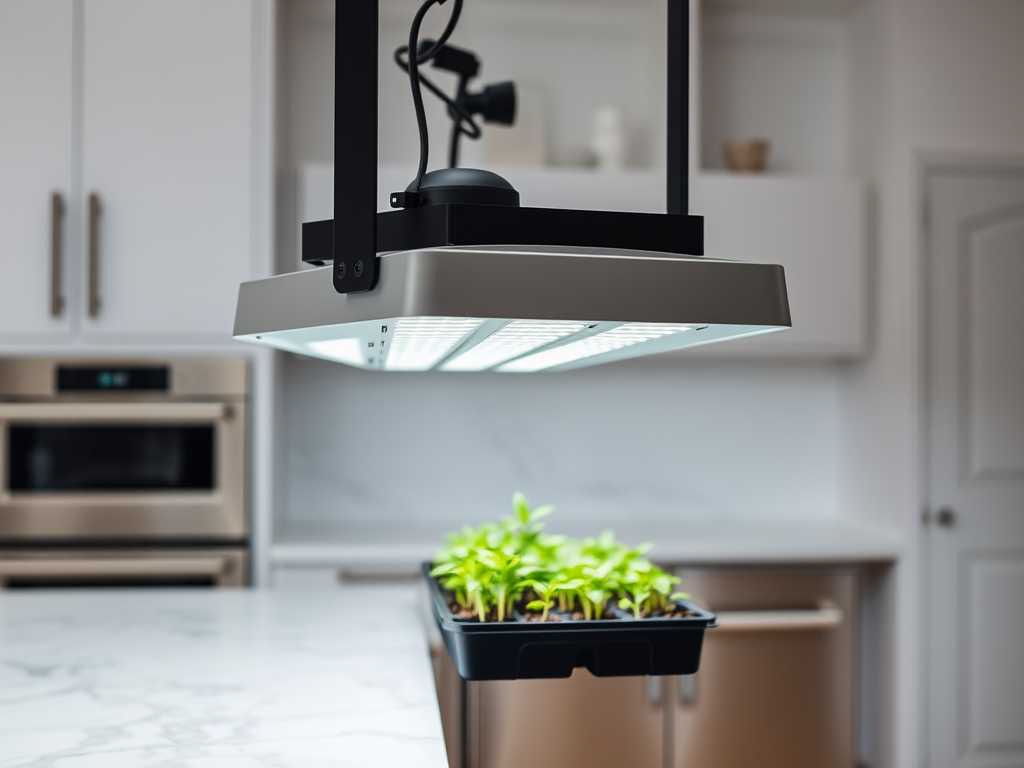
(226, 678)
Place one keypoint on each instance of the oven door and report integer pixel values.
(122, 471)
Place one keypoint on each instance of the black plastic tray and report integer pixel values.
(520, 649)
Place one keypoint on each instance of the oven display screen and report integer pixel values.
(55, 458)
(75, 378)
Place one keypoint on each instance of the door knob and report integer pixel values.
(945, 517)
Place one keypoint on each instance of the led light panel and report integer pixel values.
(348, 351)
(514, 339)
(420, 343)
(598, 344)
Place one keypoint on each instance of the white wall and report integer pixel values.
(655, 441)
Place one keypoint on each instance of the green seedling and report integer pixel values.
(506, 581)
(490, 567)
(636, 602)
(546, 593)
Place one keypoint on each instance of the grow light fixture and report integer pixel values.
(462, 278)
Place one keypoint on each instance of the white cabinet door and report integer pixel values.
(35, 161)
(975, 628)
(167, 91)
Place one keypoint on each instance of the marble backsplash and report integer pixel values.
(652, 440)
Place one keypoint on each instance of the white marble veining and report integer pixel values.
(677, 443)
(225, 678)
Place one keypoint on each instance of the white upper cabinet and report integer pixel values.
(816, 229)
(139, 113)
(167, 150)
(35, 163)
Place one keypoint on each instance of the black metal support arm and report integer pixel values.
(677, 165)
(359, 233)
(355, 146)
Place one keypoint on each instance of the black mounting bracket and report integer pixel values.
(359, 234)
(357, 27)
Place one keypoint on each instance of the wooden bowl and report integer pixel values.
(746, 155)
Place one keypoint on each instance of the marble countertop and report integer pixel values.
(225, 678)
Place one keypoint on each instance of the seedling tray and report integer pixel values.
(521, 649)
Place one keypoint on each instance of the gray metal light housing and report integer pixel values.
(514, 309)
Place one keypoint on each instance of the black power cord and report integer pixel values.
(466, 66)
(464, 122)
(496, 103)
(413, 67)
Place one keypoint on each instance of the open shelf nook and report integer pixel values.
(775, 70)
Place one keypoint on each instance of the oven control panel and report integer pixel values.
(90, 378)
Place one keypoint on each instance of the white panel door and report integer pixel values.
(975, 325)
(167, 150)
(35, 162)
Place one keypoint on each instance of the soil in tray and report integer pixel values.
(672, 611)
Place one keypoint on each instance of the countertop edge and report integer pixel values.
(791, 542)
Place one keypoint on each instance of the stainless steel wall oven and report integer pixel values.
(141, 464)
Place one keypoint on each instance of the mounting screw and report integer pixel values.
(342, 270)
(357, 269)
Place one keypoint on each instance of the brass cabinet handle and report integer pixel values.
(116, 412)
(653, 689)
(94, 255)
(826, 617)
(56, 249)
(214, 567)
(687, 690)
(157, 566)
